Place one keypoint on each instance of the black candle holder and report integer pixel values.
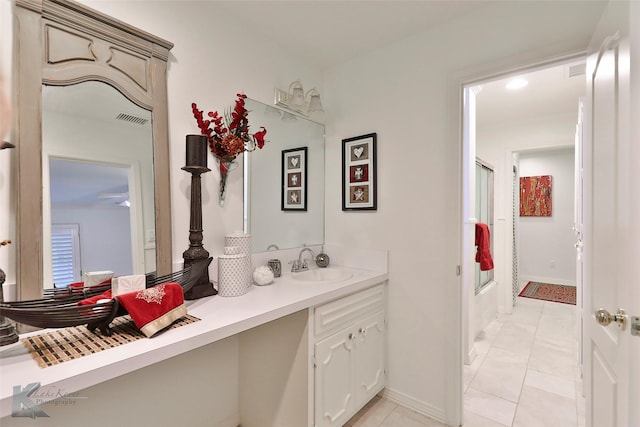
(196, 161)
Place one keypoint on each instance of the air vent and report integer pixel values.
(132, 119)
(575, 70)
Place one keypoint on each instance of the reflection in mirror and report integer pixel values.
(98, 180)
(267, 223)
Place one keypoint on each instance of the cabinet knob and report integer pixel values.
(362, 331)
(351, 336)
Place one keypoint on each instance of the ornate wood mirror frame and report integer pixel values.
(60, 42)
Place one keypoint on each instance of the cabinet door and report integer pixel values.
(334, 379)
(369, 361)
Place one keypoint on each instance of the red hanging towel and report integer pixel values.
(483, 242)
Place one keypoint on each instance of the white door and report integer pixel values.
(369, 361)
(334, 379)
(611, 228)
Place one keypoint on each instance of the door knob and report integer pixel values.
(603, 317)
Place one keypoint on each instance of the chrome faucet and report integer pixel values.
(301, 264)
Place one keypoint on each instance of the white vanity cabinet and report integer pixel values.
(349, 355)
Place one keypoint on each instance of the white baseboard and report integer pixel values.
(470, 357)
(413, 404)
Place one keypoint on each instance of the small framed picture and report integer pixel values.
(359, 173)
(294, 179)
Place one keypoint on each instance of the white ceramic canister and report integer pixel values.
(239, 239)
(242, 242)
(233, 275)
(232, 250)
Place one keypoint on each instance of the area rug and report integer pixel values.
(550, 292)
(61, 345)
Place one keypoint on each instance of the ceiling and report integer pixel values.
(550, 91)
(76, 183)
(328, 33)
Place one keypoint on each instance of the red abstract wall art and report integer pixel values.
(535, 195)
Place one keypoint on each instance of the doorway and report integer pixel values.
(96, 207)
(503, 126)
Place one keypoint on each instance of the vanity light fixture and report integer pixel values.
(295, 99)
(517, 83)
(314, 104)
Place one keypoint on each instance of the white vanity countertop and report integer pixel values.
(221, 317)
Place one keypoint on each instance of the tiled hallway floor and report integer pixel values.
(525, 375)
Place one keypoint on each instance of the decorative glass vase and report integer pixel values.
(224, 166)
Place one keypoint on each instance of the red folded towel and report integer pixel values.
(94, 299)
(77, 285)
(155, 308)
(483, 242)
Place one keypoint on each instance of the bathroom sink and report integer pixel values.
(322, 275)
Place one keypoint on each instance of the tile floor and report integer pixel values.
(525, 375)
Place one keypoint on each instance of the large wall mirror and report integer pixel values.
(97, 176)
(92, 107)
(270, 226)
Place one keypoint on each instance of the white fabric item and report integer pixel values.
(262, 275)
(125, 284)
(92, 278)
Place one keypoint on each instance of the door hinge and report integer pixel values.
(458, 270)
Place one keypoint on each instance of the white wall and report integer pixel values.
(546, 246)
(405, 94)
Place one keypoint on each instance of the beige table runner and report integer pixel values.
(61, 345)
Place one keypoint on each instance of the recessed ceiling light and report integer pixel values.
(517, 83)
